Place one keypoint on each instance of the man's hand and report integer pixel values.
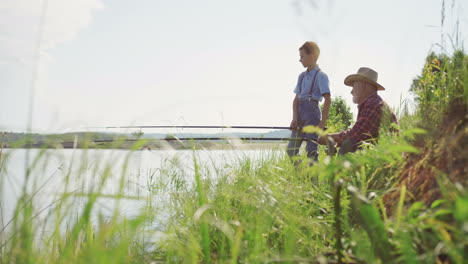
(293, 125)
(329, 141)
(322, 140)
(334, 138)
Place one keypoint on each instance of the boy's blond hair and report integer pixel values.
(311, 47)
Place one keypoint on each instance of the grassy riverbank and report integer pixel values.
(402, 201)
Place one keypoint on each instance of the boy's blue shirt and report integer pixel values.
(322, 85)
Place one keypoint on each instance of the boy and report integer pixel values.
(312, 86)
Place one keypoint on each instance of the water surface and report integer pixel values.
(139, 176)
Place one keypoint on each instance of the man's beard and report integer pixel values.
(355, 99)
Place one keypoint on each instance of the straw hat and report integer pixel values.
(364, 74)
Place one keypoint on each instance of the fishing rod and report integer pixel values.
(74, 144)
(203, 139)
(103, 141)
(168, 126)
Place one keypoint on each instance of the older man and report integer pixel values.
(373, 113)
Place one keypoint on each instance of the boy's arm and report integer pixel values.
(293, 125)
(326, 110)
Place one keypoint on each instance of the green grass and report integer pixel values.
(263, 210)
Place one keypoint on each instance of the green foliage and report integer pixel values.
(340, 116)
(137, 134)
(441, 85)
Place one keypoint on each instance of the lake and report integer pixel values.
(138, 176)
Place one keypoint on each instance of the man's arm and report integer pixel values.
(326, 110)
(365, 128)
(293, 125)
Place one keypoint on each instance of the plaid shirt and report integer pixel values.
(368, 120)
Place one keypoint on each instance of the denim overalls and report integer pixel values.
(308, 114)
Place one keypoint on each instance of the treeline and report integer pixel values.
(33, 140)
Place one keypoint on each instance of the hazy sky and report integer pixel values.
(205, 62)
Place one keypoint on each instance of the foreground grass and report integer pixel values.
(257, 211)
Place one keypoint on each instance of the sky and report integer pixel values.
(68, 65)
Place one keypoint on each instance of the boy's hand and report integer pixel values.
(293, 125)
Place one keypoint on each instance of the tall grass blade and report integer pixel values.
(369, 219)
(401, 202)
(236, 246)
(203, 225)
(338, 231)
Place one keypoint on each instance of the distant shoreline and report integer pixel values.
(98, 140)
